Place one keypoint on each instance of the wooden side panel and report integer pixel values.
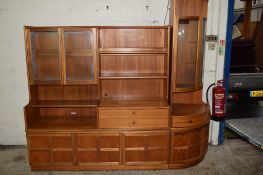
(132, 38)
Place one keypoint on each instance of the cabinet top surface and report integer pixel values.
(100, 27)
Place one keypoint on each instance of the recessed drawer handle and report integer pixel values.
(133, 113)
(133, 122)
(190, 121)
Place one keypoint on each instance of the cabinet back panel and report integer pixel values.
(133, 63)
(87, 92)
(134, 88)
(133, 38)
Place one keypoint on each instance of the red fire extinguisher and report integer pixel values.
(218, 101)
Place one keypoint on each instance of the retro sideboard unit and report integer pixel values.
(105, 98)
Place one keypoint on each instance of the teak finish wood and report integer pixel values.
(101, 99)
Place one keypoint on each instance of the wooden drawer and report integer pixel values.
(188, 115)
(188, 121)
(133, 118)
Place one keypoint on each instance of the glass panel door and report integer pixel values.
(80, 56)
(187, 53)
(46, 63)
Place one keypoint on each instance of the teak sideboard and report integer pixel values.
(110, 98)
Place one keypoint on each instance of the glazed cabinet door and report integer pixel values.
(98, 148)
(187, 61)
(145, 147)
(44, 56)
(47, 149)
(80, 55)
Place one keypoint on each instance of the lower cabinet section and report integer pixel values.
(100, 148)
(109, 150)
(188, 146)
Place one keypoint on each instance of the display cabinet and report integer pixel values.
(100, 99)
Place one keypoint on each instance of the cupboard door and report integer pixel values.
(62, 149)
(110, 149)
(45, 57)
(52, 149)
(94, 148)
(190, 145)
(80, 55)
(87, 148)
(39, 149)
(146, 147)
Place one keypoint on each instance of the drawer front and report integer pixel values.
(188, 121)
(133, 118)
(133, 113)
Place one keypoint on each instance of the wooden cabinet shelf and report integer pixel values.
(62, 124)
(133, 76)
(65, 103)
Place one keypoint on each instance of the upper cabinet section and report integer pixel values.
(132, 40)
(188, 21)
(80, 56)
(45, 57)
(61, 55)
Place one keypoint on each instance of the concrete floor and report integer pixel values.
(235, 157)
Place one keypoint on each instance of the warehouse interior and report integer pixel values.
(231, 33)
